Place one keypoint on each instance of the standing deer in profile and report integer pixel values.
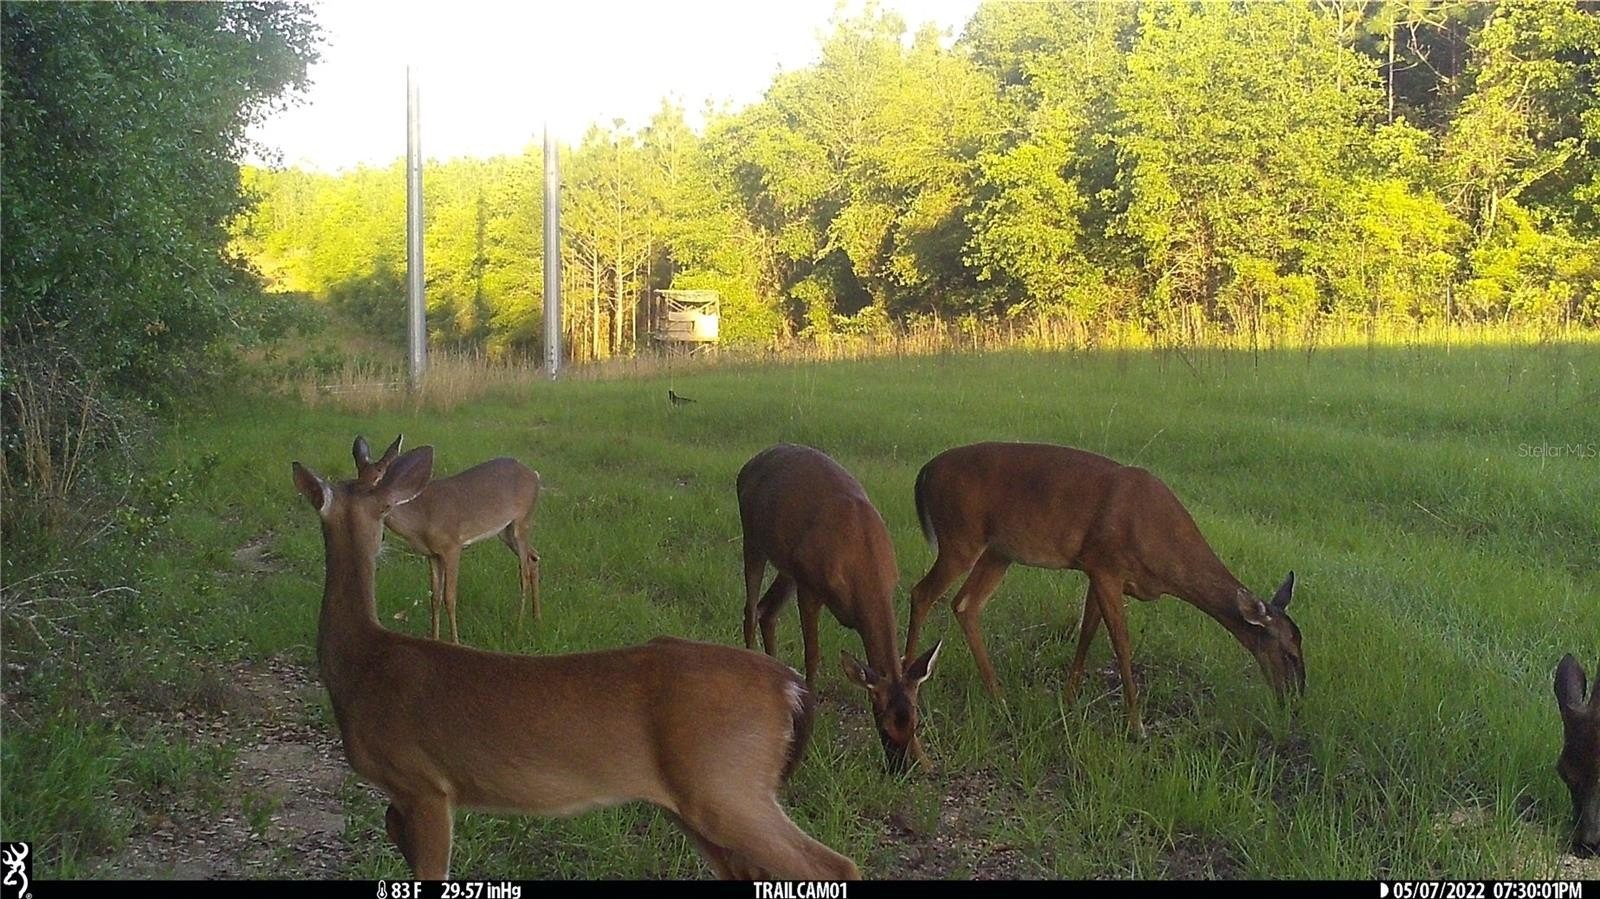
(1579, 765)
(496, 497)
(708, 733)
(989, 505)
(804, 513)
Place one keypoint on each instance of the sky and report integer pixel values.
(491, 74)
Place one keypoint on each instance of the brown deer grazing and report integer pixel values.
(988, 505)
(496, 497)
(709, 733)
(1580, 753)
(805, 514)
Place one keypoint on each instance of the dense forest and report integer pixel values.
(1244, 166)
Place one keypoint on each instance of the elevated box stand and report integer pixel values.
(686, 321)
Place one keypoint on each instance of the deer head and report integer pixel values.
(357, 507)
(1273, 638)
(894, 705)
(1579, 765)
(371, 472)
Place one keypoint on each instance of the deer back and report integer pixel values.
(469, 506)
(560, 734)
(807, 515)
(1058, 507)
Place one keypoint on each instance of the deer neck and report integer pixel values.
(348, 623)
(1213, 589)
(879, 641)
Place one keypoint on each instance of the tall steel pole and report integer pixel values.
(552, 257)
(417, 310)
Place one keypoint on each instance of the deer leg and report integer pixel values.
(969, 602)
(515, 536)
(757, 831)
(395, 825)
(1108, 593)
(435, 590)
(531, 557)
(533, 579)
(810, 609)
(530, 568)
(717, 858)
(425, 827)
(946, 569)
(451, 566)
(777, 596)
(1087, 625)
(755, 568)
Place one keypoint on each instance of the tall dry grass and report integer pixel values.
(453, 379)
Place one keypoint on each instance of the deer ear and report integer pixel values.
(392, 451)
(361, 452)
(1571, 683)
(922, 668)
(1253, 610)
(407, 476)
(1280, 599)
(313, 488)
(861, 675)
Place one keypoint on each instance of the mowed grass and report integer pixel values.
(1440, 507)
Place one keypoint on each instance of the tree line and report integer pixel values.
(1242, 165)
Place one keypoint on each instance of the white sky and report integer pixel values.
(491, 73)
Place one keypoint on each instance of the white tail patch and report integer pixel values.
(797, 696)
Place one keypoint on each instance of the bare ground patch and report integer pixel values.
(1197, 857)
(955, 841)
(256, 556)
(282, 815)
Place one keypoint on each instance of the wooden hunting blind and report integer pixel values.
(687, 320)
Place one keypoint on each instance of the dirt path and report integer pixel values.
(282, 815)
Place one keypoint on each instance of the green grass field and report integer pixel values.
(1440, 507)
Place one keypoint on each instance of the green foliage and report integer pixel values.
(1241, 130)
(1260, 166)
(1045, 189)
(121, 125)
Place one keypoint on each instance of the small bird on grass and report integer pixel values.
(676, 398)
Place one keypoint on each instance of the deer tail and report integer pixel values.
(922, 507)
(802, 715)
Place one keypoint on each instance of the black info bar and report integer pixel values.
(807, 889)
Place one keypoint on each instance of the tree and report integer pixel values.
(122, 126)
(1045, 185)
(1240, 128)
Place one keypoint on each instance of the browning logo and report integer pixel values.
(15, 869)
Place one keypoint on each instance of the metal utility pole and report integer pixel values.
(552, 257)
(417, 310)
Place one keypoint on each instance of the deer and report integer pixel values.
(987, 506)
(708, 733)
(1579, 764)
(495, 497)
(806, 515)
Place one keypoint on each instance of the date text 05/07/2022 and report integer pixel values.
(1481, 889)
